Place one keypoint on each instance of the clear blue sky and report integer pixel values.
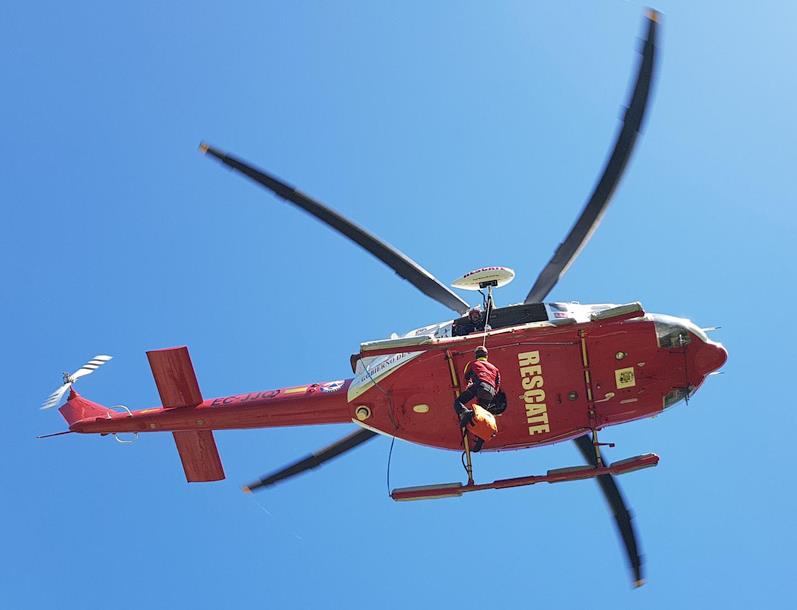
(465, 133)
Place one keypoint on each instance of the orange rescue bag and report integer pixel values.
(483, 423)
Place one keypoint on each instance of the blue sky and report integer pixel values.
(464, 133)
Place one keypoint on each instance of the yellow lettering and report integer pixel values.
(534, 396)
(529, 383)
(533, 410)
(528, 358)
(538, 429)
(541, 419)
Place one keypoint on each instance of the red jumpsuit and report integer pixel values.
(484, 379)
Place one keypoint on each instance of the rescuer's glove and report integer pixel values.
(465, 417)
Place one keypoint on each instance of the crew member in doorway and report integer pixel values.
(471, 323)
(476, 320)
(484, 381)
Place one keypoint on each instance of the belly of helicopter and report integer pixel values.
(559, 383)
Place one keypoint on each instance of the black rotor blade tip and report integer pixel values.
(314, 460)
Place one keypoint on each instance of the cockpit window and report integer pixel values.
(675, 332)
(675, 395)
(671, 335)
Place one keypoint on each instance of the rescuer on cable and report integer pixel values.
(484, 380)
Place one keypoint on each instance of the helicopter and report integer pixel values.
(568, 369)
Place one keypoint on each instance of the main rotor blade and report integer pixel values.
(402, 264)
(314, 460)
(592, 213)
(622, 515)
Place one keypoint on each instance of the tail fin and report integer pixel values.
(78, 408)
(179, 389)
(201, 460)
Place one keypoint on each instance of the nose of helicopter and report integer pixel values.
(709, 357)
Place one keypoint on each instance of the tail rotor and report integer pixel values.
(88, 368)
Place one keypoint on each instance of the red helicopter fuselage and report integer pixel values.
(561, 379)
(566, 369)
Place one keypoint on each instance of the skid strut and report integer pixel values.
(465, 441)
(559, 475)
(468, 461)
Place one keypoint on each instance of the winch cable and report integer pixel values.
(389, 458)
(392, 420)
(487, 311)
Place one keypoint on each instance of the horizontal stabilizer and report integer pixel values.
(201, 460)
(175, 378)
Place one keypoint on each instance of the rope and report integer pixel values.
(389, 458)
(487, 310)
(392, 420)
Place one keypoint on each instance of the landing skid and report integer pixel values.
(559, 475)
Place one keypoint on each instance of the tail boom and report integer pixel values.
(78, 409)
(306, 405)
(191, 419)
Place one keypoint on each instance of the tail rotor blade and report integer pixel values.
(593, 211)
(88, 368)
(91, 366)
(54, 398)
(402, 264)
(617, 504)
(314, 460)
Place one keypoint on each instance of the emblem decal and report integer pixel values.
(625, 378)
(332, 386)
